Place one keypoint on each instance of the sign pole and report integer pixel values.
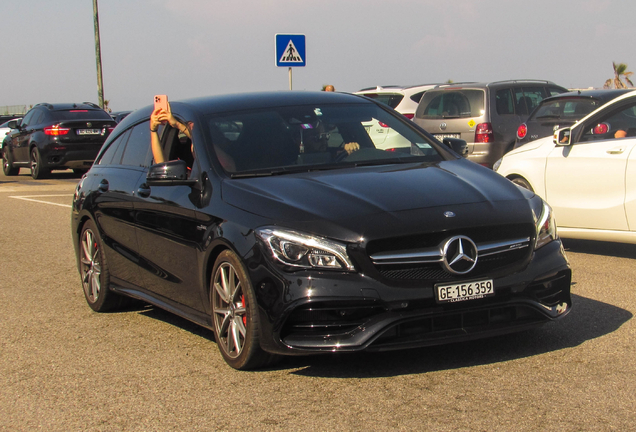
(290, 78)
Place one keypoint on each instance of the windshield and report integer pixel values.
(566, 108)
(300, 138)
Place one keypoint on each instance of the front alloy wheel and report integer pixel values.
(234, 314)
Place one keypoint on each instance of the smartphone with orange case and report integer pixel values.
(161, 101)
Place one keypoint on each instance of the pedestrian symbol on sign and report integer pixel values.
(291, 55)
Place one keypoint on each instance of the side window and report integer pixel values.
(112, 155)
(619, 123)
(27, 118)
(533, 97)
(37, 118)
(503, 99)
(138, 152)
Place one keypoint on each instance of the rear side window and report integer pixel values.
(112, 155)
(504, 102)
(462, 103)
(81, 114)
(390, 99)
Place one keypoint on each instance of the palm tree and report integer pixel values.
(620, 70)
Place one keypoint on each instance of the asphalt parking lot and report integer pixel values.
(64, 367)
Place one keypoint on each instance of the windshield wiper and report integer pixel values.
(553, 116)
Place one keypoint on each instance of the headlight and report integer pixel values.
(546, 226)
(305, 251)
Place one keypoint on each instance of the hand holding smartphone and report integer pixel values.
(161, 101)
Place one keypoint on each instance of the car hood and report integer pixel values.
(368, 199)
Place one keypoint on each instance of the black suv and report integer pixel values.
(56, 136)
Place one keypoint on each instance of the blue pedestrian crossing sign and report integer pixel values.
(290, 50)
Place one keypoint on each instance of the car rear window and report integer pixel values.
(390, 99)
(463, 103)
(81, 114)
(571, 108)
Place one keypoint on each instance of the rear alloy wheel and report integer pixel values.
(520, 181)
(94, 272)
(7, 165)
(234, 314)
(37, 172)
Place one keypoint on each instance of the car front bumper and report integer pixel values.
(309, 312)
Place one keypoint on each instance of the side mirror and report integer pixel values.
(459, 146)
(169, 173)
(14, 124)
(562, 137)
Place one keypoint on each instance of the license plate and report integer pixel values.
(451, 293)
(89, 131)
(440, 137)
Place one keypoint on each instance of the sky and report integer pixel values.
(191, 48)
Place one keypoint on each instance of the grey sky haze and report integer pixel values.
(189, 48)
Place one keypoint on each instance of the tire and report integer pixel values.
(94, 272)
(235, 316)
(37, 172)
(7, 165)
(520, 181)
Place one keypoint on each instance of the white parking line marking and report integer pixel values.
(30, 198)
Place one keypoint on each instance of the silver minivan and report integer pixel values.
(485, 115)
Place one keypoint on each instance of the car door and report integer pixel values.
(586, 181)
(114, 210)
(169, 234)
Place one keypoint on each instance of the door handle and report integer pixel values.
(143, 190)
(103, 186)
(616, 150)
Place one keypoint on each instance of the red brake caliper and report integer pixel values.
(245, 315)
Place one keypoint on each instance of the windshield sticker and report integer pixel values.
(317, 112)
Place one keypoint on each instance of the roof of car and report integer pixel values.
(601, 94)
(389, 88)
(452, 86)
(246, 101)
(68, 106)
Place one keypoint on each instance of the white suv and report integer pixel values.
(402, 99)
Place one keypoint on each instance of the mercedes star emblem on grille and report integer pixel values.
(460, 255)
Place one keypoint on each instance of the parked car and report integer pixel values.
(119, 115)
(587, 172)
(402, 99)
(561, 111)
(486, 115)
(4, 130)
(283, 242)
(56, 136)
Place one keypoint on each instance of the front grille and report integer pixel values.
(418, 258)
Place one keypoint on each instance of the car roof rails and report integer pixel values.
(454, 84)
(44, 104)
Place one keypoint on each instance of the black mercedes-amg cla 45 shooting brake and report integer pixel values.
(276, 222)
